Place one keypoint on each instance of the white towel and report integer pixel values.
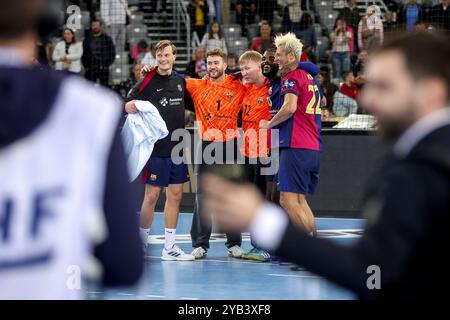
(140, 133)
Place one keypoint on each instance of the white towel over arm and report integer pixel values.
(140, 133)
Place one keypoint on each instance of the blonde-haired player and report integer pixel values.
(299, 125)
(255, 107)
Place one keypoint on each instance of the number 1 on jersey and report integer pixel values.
(219, 103)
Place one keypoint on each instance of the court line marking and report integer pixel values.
(220, 237)
(293, 276)
(318, 218)
(221, 261)
(125, 294)
(154, 296)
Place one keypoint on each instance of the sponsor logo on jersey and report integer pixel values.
(289, 84)
(230, 95)
(260, 100)
(163, 102)
(175, 101)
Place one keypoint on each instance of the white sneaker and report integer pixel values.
(199, 253)
(235, 252)
(176, 254)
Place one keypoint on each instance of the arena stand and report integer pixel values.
(323, 27)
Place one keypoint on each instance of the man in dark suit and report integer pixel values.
(407, 202)
(98, 54)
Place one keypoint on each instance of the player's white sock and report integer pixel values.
(144, 234)
(170, 238)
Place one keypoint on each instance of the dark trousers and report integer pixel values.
(201, 224)
(154, 4)
(100, 73)
(255, 177)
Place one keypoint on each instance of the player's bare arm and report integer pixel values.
(286, 111)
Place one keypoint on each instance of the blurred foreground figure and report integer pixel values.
(407, 203)
(64, 196)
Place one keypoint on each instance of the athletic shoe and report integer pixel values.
(257, 254)
(235, 252)
(176, 254)
(199, 253)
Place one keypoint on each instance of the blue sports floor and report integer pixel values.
(220, 277)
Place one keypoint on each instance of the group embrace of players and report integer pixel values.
(274, 91)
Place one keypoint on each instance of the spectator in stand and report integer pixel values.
(340, 57)
(266, 9)
(137, 72)
(98, 54)
(214, 39)
(349, 87)
(212, 14)
(197, 67)
(328, 88)
(292, 13)
(370, 29)
(351, 16)
(251, 11)
(306, 32)
(115, 15)
(245, 13)
(420, 26)
(390, 24)
(440, 16)
(154, 5)
(265, 40)
(232, 64)
(149, 58)
(68, 52)
(343, 106)
(358, 68)
(411, 14)
(139, 50)
(393, 7)
(223, 8)
(198, 11)
(162, 10)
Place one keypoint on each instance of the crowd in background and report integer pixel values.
(352, 37)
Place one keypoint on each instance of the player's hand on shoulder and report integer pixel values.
(147, 69)
(130, 107)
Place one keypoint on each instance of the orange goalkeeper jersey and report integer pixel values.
(217, 106)
(255, 107)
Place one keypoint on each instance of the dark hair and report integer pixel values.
(97, 20)
(232, 56)
(74, 39)
(210, 33)
(336, 21)
(305, 21)
(418, 22)
(426, 54)
(142, 44)
(19, 16)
